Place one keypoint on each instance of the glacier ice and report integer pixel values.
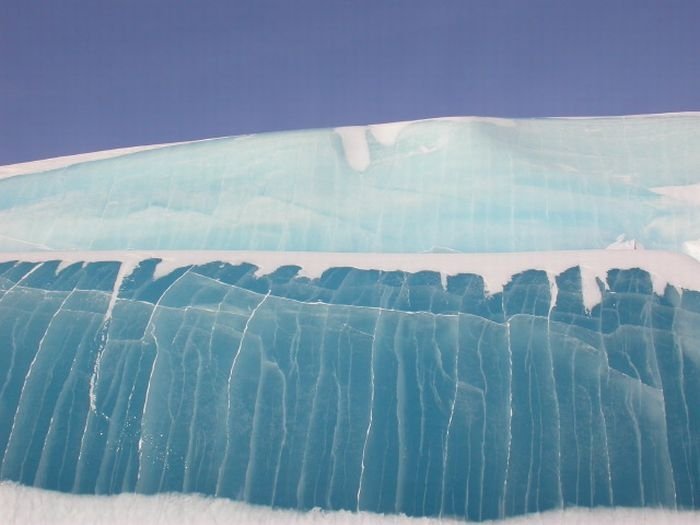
(471, 185)
(360, 390)
(344, 369)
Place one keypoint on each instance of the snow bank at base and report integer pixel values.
(29, 506)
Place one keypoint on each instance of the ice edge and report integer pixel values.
(496, 269)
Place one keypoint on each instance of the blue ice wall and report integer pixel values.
(368, 390)
(474, 185)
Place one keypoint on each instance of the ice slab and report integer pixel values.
(358, 389)
(468, 185)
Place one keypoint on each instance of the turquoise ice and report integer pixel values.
(142, 350)
(470, 185)
(358, 390)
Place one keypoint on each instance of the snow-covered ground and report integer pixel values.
(20, 505)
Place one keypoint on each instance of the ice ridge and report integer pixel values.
(467, 185)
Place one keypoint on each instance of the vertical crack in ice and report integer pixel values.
(40, 347)
(44, 465)
(591, 448)
(510, 412)
(604, 370)
(687, 454)
(253, 441)
(420, 378)
(114, 422)
(187, 484)
(401, 431)
(336, 426)
(222, 467)
(95, 376)
(371, 407)
(348, 400)
(13, 358)
(85, 440)
(446, 443)
(174, 416)
(575, 430)
(530, 372)
(484, 395)
(555, 395)
(294, 369)
(632, 410)
(151, 329)
(301, 482)
(468, 469)
(649, 328)
(425, 481)
(540, 452)
(92, 412)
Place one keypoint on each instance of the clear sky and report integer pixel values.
(85, 75)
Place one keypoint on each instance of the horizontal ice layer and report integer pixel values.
(358, 389)
(37, 507)
(472, 185)
(495, 270)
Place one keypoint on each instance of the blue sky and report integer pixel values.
(85, 75)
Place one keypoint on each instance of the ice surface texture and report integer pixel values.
(368, 390)
(472, 185)
(477, 386)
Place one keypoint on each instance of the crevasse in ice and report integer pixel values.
(381, 386)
